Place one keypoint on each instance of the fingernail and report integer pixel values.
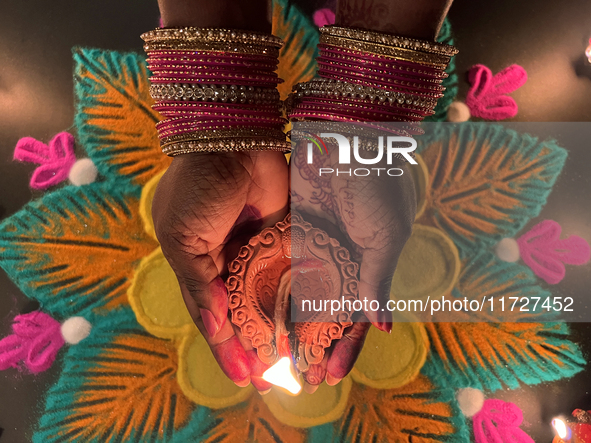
(310, 389)
(386, 327)
(209, 322)
(331, 381)
(243, 383)
(265, 392)
(385, 317)
(381, 326)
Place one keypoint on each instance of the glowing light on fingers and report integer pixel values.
(282, 374)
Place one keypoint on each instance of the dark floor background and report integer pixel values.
(546, 37)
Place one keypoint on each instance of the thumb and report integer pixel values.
(375, 280)
(204, 287)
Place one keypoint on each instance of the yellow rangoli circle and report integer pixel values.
(388, 361)
(306, 410)
(201, 378)
(420, 177)
(156, 299)
(428, 266)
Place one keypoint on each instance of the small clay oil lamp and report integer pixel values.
(573, 431)
(272, 275)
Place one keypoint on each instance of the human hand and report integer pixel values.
(372, 216)
(205, 208)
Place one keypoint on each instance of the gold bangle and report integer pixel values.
(409, 78)
(370, 84)
(390, 40)
(434, 60)
(213, 126)
(199, 114)
(366, 129)
(178, 80)
(227, 145)
(207, 57)
(200, 106)
(240, 48)
(204, 72)
(217, 35)
(348, 75)
(360, 109)
(295, 104)
(212, 92)
(224, 134)
(339, 89)
(385, 61)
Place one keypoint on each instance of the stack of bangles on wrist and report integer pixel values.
(216, 88)
(368, 76)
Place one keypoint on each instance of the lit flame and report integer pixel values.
(588, 51)
(281, 374)
(560, 427)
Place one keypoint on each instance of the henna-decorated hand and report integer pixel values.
(205, 208)
(373, 217)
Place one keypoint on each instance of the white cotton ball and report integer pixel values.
(470, 401)
(507, 250)
(458, 112)
(75, 329)
(83, 172)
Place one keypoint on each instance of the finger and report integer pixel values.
(229, 353)
(310, 389)
(257, 367)
(371, 227)
(377, 213)
(315, 375)
(375, 279)
(199, 275)
(225, 346)
(345, 353)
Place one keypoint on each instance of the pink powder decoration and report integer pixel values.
(545, 253)
(323, 17)
(56, 160)
(35, 342)
(498, 422)
(487, 98)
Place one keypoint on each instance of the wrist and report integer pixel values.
(231, 14)
(215, 103)
(200, 158)
(243, 159)
(421, 19)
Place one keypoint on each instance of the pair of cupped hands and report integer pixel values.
(208, 205)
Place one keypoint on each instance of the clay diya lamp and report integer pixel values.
(272, 276)
(573, 431)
